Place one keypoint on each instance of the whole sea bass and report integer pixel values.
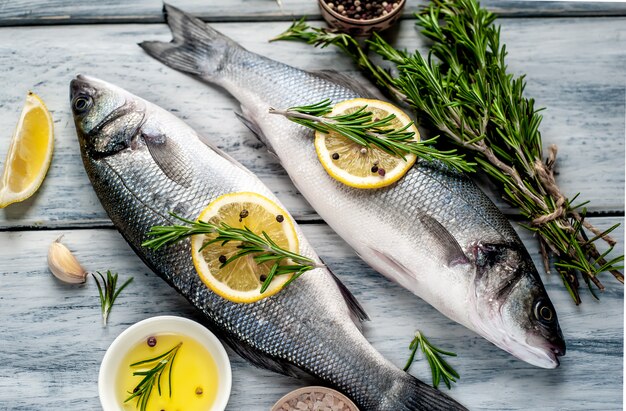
(434, 232)
(143, 163)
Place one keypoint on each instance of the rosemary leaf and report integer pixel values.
(108, 292)
(152, 376)
(439, 367)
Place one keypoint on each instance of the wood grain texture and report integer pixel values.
(573, 67)
(54, 12)
(52, 341)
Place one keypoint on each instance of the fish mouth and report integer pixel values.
(537, 351)
(529, 347)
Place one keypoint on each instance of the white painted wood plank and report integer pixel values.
(573, 67)
(52, 12)
(52, 341)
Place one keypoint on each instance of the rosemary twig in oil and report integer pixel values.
(152, 376)
(439, 367)
(108, 292)
(262, 247)
(362, 128)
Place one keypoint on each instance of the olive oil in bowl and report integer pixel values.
(194, 378)
(178, 365)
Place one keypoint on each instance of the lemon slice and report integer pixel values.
(240, 280)
(30, 153)
(355, 165)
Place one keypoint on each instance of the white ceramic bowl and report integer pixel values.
(157, 325)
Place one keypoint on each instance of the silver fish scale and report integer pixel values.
(307, 324)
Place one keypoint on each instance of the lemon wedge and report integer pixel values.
(356, 165)
(30, 153)
(240, 280)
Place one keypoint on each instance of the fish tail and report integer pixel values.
(414, 395)
(196, 48)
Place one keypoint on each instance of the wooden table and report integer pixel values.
(51, 340)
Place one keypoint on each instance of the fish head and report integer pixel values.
(107, 117)
(512, 306)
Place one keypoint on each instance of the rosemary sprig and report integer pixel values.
(108, 292)
(152, 376)
(439, 367)
(462, 89)
(262, 247)
(362, 128)
(322, 37)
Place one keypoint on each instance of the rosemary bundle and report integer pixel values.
(463, 90)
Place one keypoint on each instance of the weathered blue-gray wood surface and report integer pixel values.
(51, 341)
(574, 67)
(50, 12)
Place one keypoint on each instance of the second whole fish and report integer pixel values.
(434, 232)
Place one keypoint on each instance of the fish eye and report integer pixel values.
(543, 312)
(82, 103)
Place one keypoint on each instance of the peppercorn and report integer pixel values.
(243, 214)
(374, 169)
(151, 341)
(335, 156)
(263, 277)
(280, 218)
(381, 172)
(362, 9)
(222, 259)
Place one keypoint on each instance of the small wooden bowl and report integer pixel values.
(314, 390)
(362, 28)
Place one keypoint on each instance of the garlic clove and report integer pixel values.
(63, 265)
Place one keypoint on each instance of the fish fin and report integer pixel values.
(170, 159)
(252, 126)
(348, 82)
(444, 242)
(258, 133)
(196, 48)
(357, 312)
(395, 264)
(225, 155)
(412, 394)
